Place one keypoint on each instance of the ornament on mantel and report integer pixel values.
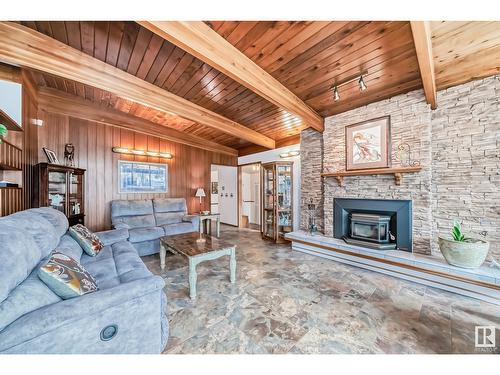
(404, 156)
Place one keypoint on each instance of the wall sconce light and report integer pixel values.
(128, 151)
(290, 154)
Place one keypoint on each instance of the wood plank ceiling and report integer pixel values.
(310, 57)
(464, 51)
(307, 57)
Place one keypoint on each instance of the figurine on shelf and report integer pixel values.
(404, 155)
(69, 154)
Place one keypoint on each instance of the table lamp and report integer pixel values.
(200, 193)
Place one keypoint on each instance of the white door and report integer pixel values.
(228, 194)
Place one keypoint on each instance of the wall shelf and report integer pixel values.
(396, 171)
(9, 123)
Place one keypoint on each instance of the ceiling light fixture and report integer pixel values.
(361, 84)
(357, 77)
(128, 151)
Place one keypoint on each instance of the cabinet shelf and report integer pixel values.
(72, 194)
(396, 171)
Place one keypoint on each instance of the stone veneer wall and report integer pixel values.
(458, 146)
(466, 160)
(410, 123)
(311, 165)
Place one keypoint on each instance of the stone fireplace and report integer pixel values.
(457, 148)
(381, 224)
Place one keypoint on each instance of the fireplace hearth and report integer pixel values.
(381, 224)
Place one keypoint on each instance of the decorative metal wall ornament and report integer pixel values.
(404, 155)
(311, 208)
(69, 154)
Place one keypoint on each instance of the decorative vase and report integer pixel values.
(465, 254)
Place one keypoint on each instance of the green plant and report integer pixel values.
(457, 234)
(3, 132)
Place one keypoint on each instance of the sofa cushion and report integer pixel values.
(131, 207)
(163, 218)
(139, 221)
(19, 255)
(145, 234)
(30, 295)
(116, 264)
(109, 237)
(179, 228)
(66, 277)
(89, 242)
(33, 224)
(169, 205)
(55, 217)
(68, 246)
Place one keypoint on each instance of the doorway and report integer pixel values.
(224, 193)
(250, 196)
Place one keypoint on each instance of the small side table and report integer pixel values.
(206, 221)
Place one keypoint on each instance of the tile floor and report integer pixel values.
(288, 302)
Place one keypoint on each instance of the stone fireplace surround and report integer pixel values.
(458, 150)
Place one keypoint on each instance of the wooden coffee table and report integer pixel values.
(197, 248)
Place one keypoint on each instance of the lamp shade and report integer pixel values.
(200, 192)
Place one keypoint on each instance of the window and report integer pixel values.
(137, 177)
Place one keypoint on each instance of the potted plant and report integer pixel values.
(462, 251)
(3, 132)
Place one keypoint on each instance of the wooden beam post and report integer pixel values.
(54, 101)
(19, 45)
(198, 39)
(423, 46)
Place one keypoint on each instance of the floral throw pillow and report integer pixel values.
(66, 277)
(89, 242)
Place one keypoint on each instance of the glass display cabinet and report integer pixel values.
(277, 215)
(61, 188)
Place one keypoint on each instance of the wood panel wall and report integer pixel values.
(187, 170)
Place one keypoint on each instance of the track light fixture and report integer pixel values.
(336, 95)
(357, 77)
(361, 84)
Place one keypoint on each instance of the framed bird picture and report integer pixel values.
(368, 144)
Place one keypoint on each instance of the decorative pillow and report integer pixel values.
(89, 242)
(66, 277)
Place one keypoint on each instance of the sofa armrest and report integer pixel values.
(109, 237)
(121, 226)
(193, 219)
(68, 312)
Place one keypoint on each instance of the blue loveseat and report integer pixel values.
(147, 220)
(130, 302)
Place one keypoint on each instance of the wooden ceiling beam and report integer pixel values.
(423, 45)
(54, 101)
(19, 45)
(199, 40)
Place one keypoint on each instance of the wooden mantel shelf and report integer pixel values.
(396, 171)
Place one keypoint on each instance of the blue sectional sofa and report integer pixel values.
(130, 302)
(147, 220)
